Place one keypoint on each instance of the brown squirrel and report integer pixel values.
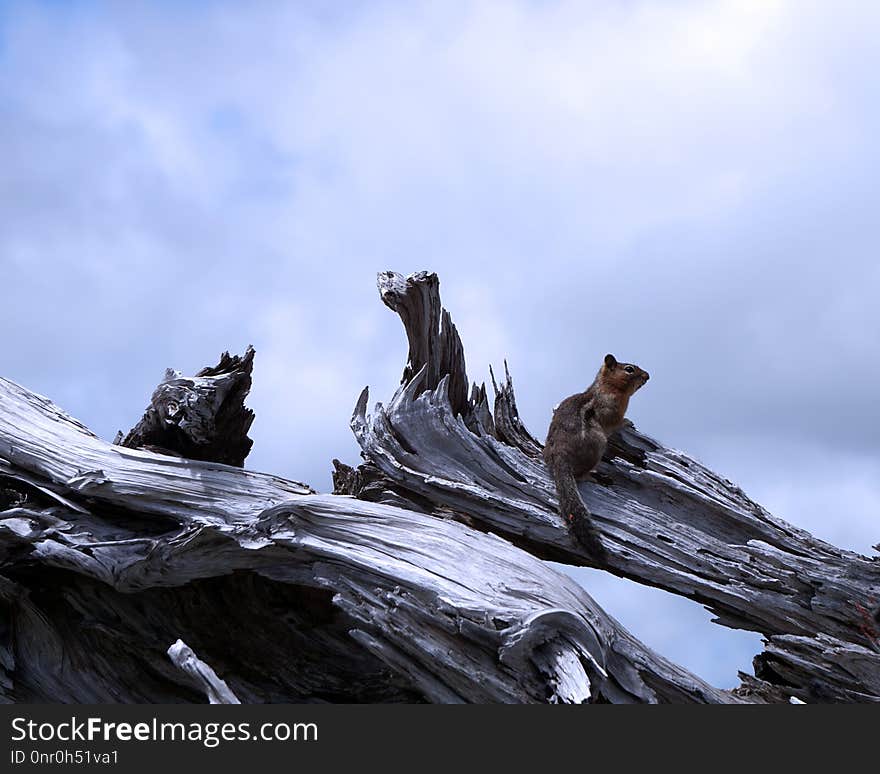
(578, 436)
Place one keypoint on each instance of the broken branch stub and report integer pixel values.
(115, 552)
(666, 520)
(201, 417)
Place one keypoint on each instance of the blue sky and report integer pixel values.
(690, 185)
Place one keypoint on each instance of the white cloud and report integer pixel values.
(691, 185)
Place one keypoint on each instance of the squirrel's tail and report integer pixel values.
(574, 512)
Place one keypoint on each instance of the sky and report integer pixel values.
(690, 185)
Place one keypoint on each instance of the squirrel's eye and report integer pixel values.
(630, 370)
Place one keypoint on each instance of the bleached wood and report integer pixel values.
(395, 590)
(215, 689)
(666, 520)
(452, 613)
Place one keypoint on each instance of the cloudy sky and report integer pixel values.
(691, 185)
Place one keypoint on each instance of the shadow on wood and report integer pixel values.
(393, 589)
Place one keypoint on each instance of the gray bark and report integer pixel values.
(111, 554)
(666, 519)
(202, 417)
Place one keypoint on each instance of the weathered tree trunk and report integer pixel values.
(391, 590)
(111, 552)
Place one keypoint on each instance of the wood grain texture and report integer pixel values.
(112, 554)
(201, 417)
(422, 579)
(666, 519)
(203, 676)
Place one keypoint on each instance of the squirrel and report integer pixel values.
(577, 439)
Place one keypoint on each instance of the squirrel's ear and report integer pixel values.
(610, 361)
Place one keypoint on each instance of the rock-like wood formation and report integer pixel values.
(422, 579)
(202, 417)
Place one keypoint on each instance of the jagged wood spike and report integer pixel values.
(108, 553)
(666, 520)
(292, 596)
(434, 343)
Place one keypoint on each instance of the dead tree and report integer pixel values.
(421, 579)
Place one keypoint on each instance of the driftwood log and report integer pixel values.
(422, 578)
